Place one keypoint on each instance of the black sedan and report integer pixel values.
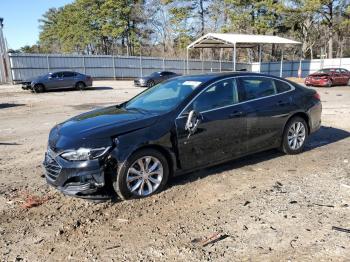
(154, 78)
(181, 125)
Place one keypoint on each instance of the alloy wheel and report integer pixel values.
(144, 176)
(296, 135)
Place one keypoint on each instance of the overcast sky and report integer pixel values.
(21, 26)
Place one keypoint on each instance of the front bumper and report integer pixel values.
(26, 85)
(140, 83)
(74, 178)
(317, 82)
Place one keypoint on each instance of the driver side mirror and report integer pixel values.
(193, 120)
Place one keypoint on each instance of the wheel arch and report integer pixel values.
(303, 115)
(169, 156)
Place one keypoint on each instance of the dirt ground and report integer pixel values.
(268, 206)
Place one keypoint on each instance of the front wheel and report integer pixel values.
(144, 173)
(294, 136)
(39, 88)
(150, 83)
(329, 83)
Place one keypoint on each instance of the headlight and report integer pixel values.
(83, 154)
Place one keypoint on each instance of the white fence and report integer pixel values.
(290, 68)
(24, 66)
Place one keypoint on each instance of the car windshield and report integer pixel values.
(165, 96)
(155, 74)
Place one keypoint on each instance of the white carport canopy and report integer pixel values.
(213, 40)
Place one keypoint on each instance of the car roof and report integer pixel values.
(222, 75)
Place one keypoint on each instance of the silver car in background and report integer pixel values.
(58, 80)
(154, 78)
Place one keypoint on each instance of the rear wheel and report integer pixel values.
(39, 88)
(80, 86)
(294, 136)
(144, 173)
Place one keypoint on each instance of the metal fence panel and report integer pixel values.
(24, 66)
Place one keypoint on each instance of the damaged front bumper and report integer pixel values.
(84, 179)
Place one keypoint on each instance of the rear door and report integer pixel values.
(337, 77)
(345, 75)
(221, 134)
(68, 79)
(268, 103)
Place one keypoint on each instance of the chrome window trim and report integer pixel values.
(234, 77)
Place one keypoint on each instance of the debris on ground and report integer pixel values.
(341, 229)
(322, 205)
(209, 240)
(34, 201)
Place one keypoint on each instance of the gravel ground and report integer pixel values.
(268, 206)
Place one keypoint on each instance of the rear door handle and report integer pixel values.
(236, 114)
(282, 103)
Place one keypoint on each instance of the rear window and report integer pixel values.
(68, 74)
(257, 87)
(282, 86)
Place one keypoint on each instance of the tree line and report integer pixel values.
(166, 27)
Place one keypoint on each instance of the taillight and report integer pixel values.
(317, 96)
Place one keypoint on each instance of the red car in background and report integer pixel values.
(329, 77)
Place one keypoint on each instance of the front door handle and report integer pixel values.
(236, 114)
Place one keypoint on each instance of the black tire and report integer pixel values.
(286, 147)
(39, 88)
(150, 83)
(80, 85)
(120, 179)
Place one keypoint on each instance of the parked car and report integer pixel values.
(329, 77)
(154, 78)
(58, 80)
(181, 125)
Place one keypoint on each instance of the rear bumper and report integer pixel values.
(89, 83)
(74, 178)
(315, 113)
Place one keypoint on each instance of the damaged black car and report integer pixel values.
(175, 127)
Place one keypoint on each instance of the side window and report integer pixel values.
(282, 86)
(68, 74)
(256, 87)
(223, 93)
(344, 70)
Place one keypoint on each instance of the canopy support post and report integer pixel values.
(234, 57)
(202, 54)
(260, 58)
(220, 59)
(187, 65)
(281, 67)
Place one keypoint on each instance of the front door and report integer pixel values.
(221, 134)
